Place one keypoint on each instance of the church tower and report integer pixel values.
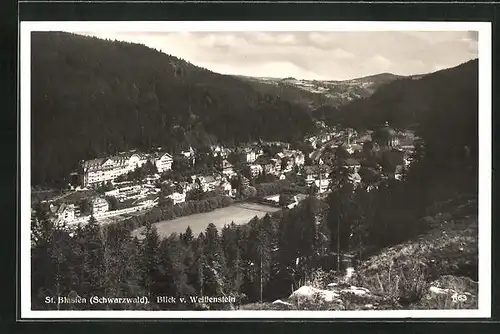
(385, 136)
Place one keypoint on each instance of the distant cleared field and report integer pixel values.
(240, 213)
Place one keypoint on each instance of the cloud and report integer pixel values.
(331, 55)
(473, 35)
(342, 54)
(379, 62)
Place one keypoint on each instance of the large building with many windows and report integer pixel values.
(97, 171)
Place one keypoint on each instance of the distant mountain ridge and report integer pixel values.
(317, 93)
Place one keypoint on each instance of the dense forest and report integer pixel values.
(91, 97)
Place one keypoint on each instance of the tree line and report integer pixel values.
(93, 260)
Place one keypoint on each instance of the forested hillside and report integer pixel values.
(418, 102)
(442, 107)
(411, 101)
(91, 97)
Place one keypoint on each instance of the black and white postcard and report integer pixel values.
(255, 169)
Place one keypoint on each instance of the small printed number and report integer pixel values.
(459, 298)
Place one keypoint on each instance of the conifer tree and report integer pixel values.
(231, 245)
(196, 274)
(264, 250)
(340, 202)
(92, 260)
(215, 270)
(172, 279)
(149, 258)
(51, 258)
(120, 264)
(187, 237)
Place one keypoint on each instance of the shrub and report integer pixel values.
(404, 283)
(320, 279)
(456, 293)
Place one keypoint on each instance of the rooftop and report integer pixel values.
(316, 169)
(351, 162)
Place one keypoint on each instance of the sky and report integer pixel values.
(336, 55)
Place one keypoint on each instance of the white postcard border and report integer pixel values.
(485, 167)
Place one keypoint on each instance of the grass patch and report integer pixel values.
(444, 255)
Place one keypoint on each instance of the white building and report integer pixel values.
(101, 170)
(274, 198)
(255, 170)
(188, 153)
(99, 206)
(299, 159)
(66, 212)
(127, 192)
(178, 197)
(148, 201)
(163, 162)
(138, 160)
(322, 185)
(355, 178)
(316, 173)
(216, 149)
(225, 188)
(250, 156)
(227, 168)
(208, 183)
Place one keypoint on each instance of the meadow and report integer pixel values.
(239, 213)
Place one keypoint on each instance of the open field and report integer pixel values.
(240, 213)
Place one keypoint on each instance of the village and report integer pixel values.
(295, 167)
(276, 174)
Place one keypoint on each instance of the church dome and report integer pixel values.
(385, 136)
(384, 133)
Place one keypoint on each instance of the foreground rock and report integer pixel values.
(281, 304)
(450, 292)
(336, 296)
(308, 292)
(310, 298)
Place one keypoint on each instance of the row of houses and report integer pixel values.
(97, 171)
(69, 212)
(282, 162)
(206, 183)
(129, 191)
(101, 170)
(319, 175)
